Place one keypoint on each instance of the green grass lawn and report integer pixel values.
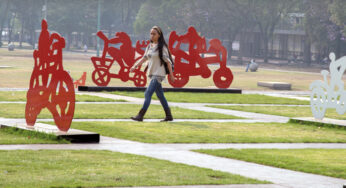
(328, 162)
(21, 96)
(192, 132)
(288, 111)
(218, 98)
(85, 168)
(116, 111)
(18, 136)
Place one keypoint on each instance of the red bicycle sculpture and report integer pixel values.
(50, 85)
(191, 63)
(125, 56)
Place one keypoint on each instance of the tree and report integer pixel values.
(169, 15)
(319, 29)
(69, 16)
(338, 15)
(266, 14)
(22, 15)
(119, 15)
(5, 6)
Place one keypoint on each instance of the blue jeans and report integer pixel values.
(157, 87)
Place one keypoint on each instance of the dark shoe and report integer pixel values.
(169, 116)
(139, 116)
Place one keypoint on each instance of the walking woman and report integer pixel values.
(160, 64)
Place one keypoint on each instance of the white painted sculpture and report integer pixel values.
(329, 95)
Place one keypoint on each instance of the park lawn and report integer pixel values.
(328, 162)
(77, 63)
(85, 168)
(218, 98)
(212, 132)
(11, 135)
(21, 96)
(288, 111)
(114, 111)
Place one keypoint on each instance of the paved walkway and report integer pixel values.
(219, 186)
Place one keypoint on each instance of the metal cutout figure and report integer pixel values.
(80, 81)
(191, 63)
(329, 95)
(50, 85)
(195, 61)
(125, 56)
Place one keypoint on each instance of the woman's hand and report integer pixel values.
(171, 77)
(132, 68)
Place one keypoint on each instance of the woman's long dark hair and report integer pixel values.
(160, 45)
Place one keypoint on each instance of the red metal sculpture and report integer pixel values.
(125, 56)
(191, 63)
(187, 64)
(50, 85)
(80, 81)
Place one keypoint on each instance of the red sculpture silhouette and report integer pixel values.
(50, 86)
(186, 63)
(191, 63)
(80, 81)
(125, 56)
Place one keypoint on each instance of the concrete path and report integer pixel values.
(219, 186)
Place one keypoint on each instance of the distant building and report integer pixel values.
(286, 43)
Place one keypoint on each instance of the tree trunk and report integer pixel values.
(33, 37)
(229, 51)
(4, 19)
(241, 48)
(21, 33)
(307, 52)
(10, 30)
(338, 46)
(265, 43)
(109, 31)
(69, 40)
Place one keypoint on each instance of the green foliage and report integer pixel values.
(337, 10)
(169, 15)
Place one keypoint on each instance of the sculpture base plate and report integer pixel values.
(275, 85)
(73, 135)
(196, 90)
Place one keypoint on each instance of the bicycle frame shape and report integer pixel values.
(50, 85)
(192, 64)
(125, 56)
(332, 95)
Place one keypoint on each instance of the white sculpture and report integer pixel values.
(332, 95)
